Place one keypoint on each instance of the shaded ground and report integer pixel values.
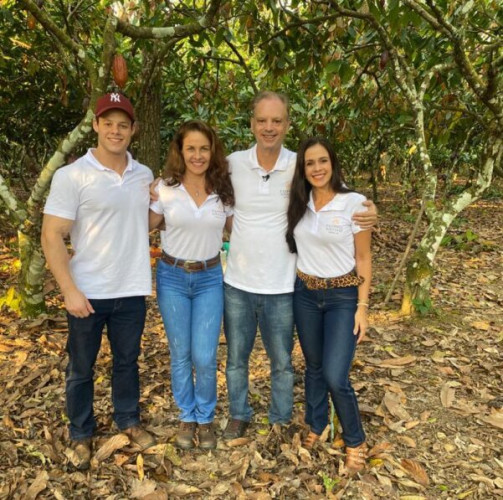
(430, 391)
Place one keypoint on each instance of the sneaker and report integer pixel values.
(139, 437)
(185, 435)
(235, 428)
(206, 435)
(81, 453)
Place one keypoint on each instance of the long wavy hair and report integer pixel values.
(301, 188)
(217, 178)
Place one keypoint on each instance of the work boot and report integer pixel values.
(81, 459)
(206, 435)
(185, 435)
(139, 437)
(235, 428)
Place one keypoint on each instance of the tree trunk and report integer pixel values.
(31, 276)
(148, 145)
(421, 265)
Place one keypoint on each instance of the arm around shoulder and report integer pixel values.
(366, 219)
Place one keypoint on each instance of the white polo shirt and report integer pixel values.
(259, 260)
(109, 235)
(192, 232)
(325, 241)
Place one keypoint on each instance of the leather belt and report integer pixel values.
(191, 265)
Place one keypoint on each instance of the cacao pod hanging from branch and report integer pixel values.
(119, 70)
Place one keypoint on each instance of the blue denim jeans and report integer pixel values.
(325, 322)
(191, 305)
(273, 314)
(124, 319)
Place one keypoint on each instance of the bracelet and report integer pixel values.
(366, 304)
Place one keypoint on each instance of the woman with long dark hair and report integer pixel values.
(195, 203)
(331, 294)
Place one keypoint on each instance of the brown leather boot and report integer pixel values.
(206, 435)
(235, 428)
(185, 435)
(82, 449)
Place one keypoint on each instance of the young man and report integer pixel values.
(260, 274)
(101, 201)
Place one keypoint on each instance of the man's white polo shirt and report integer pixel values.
(259, 260)
(325, 239)
(109, 235)
(192, 232)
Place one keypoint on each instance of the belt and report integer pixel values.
(316, 283)
(191, 265)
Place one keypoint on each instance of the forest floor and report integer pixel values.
(430, 392)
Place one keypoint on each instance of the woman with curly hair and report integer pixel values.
(331, 296)
(195, 203)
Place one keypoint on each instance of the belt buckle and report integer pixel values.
(187, 264)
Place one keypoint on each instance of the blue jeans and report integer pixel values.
(191, 305)
(325, 322)
(274, 316)
(124, 319)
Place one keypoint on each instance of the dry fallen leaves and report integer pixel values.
(416, 471)
(114, 443)
(447, 394)
(458, 449)
(39, 485)
(495, 418)
(393, 403)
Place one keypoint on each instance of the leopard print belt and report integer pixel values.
(315, 283)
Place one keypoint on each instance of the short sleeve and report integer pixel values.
(155, 206)
(229, 211)
(63, 200)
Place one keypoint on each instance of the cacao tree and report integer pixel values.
(91, 58)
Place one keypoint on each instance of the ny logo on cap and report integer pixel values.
(115, 97)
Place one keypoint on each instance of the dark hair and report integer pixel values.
(217, 177)
(299, 192)
(269, 94)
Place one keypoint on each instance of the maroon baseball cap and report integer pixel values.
(114, 100)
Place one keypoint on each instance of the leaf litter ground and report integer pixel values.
(430, 391)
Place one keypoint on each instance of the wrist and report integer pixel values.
(363, 304)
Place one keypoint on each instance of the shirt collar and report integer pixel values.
(281, 162)
(95, 163)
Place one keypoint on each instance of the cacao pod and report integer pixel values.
(383, 60)
(31, 22)
(119, 70)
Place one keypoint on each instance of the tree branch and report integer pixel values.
(60, 35)
(403, 73)
(180, 31)
(16, 215)
(298, 24)
(242, 62)
(459, 52)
